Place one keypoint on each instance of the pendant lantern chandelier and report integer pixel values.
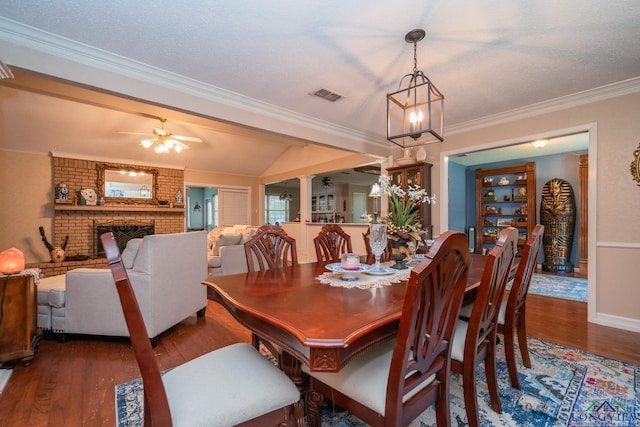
(415, 114)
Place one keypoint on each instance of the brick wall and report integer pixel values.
(48, 269)
(79, 174)
(79, 224)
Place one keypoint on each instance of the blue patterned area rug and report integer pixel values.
(564, 387)
(549, 285)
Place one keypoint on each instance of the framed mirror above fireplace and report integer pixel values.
(127, 184)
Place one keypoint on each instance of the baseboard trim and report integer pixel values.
(618, 322)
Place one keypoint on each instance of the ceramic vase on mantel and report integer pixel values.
(399, 253)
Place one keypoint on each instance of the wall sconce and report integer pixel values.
(11, 261)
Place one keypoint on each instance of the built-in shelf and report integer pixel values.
(61, 207)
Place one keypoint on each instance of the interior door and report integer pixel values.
(359, 206)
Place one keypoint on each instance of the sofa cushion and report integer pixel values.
(129, 254)
(212, 237)
(226, 240)
(51, 291)
(247, 234)
(214, 262)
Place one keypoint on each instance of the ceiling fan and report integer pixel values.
(163, 141)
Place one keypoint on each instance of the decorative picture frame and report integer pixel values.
(635, 165)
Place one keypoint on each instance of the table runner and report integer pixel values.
(365, 281)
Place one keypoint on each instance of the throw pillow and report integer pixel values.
(211, 239)
(130, 251)
(247, 235)
(226, 240)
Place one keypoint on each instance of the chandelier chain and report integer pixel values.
(415, 58)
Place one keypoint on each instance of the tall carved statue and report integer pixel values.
(558, 215)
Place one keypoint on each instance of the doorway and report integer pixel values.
(589, 131)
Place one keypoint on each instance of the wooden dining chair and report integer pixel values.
(474, 341)
(370, 257)
(512, 310)
(396, 380)
(331, 242)
(270, 247)
(233, 385)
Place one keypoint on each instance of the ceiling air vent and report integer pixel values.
(327, 94)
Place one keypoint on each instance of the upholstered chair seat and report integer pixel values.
(206, 391)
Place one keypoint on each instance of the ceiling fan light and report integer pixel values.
(160, 148)
(146, 143)
(178, 148)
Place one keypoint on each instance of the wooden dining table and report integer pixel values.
(314, 323)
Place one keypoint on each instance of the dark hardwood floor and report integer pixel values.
(72, 384)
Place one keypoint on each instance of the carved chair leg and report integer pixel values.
(510, 355)
(492, 378)
(522, 338)
(470, 394)
(443, 406)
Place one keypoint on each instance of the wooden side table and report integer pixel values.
(19, 333)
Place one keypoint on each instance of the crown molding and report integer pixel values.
(613, 90)
(51, 44)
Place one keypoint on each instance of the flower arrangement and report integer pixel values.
(404, 209)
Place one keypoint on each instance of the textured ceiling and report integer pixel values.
(486, 58)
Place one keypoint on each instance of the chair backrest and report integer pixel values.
(431, 306)
(483, 321)
(528, 261)
(271, 247)
(331, 242)
(370, 258)
(156, 405)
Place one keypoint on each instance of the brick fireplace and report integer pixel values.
(79, 222)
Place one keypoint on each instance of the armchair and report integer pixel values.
(166, 272)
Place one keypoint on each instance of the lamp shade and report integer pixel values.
(375, 190)
(11, 261)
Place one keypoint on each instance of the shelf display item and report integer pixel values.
(558, 215)
(505, 197)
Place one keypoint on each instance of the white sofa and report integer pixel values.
(225, 254)
(166, 272)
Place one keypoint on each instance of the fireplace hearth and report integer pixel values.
(123, 231)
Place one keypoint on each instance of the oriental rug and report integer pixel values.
(570, 288)
(564, 387)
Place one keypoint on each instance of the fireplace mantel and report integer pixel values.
(139, 208)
